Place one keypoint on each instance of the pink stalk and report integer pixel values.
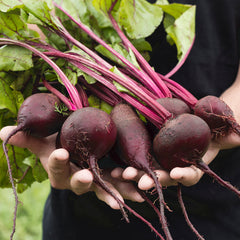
(155, 118)
(101, 92)
(63, 98)
(76, 101)
(127, 83)
(141, 75)
(179, 65)
(82, 95)
(66, 35)
(180, 91)
(148, 113)
(144, 64)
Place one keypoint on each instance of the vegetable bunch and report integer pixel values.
(93, 56)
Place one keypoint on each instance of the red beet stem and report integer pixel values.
(98, 180)
(180, 200)
(162, 204)
(94, 168)
(205, 168)
(4, 144)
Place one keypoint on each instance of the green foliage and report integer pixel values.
(20, 70)
(134, 15)
(26, 168)
(179, 24)
(14, 58)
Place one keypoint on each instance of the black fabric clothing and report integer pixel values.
(210, 69)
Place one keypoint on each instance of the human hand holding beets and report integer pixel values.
(187, 176)
(65, 175)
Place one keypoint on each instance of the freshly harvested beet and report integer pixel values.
(217, 114)
(88, 134)
(182, 142)
(38, 117)
(133, 145)
(177, 107)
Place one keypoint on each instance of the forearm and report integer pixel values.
(232, 97)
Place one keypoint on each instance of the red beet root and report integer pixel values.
(217, 114)
(134, 147)
(36, 117)
(88, 134)
(182, 142)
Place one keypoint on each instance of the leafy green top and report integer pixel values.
(21, 71)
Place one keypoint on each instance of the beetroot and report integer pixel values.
(182, 142)
(134, 148)
(177, 107)
(38, 117)
(88, 134)
(217, 114)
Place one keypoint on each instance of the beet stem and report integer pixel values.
(94, 168)
(98, 180)
(144, 220)
(205, 168)
(180, 200)
(4, 144)
(162, 217)
(157, 85)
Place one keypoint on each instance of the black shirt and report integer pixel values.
(210, 69)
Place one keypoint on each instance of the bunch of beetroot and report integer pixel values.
(89, 133)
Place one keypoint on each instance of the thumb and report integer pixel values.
(59, 169)
(187, 176)
(41, 147)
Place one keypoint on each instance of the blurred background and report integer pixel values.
(30, 212)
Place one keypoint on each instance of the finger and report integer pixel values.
(132, 174)
(229, 141)
(106, 197)
(117, 173)
(39, 146)
(188, 176)
(146, 182)
(127, 189)
(59, 170)
(20, 139)
(81, 181)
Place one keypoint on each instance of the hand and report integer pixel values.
(187, 176)
(65, 175)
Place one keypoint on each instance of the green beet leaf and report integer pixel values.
(135, 15)
(179, 24)
(9, 5)
(14, 58)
